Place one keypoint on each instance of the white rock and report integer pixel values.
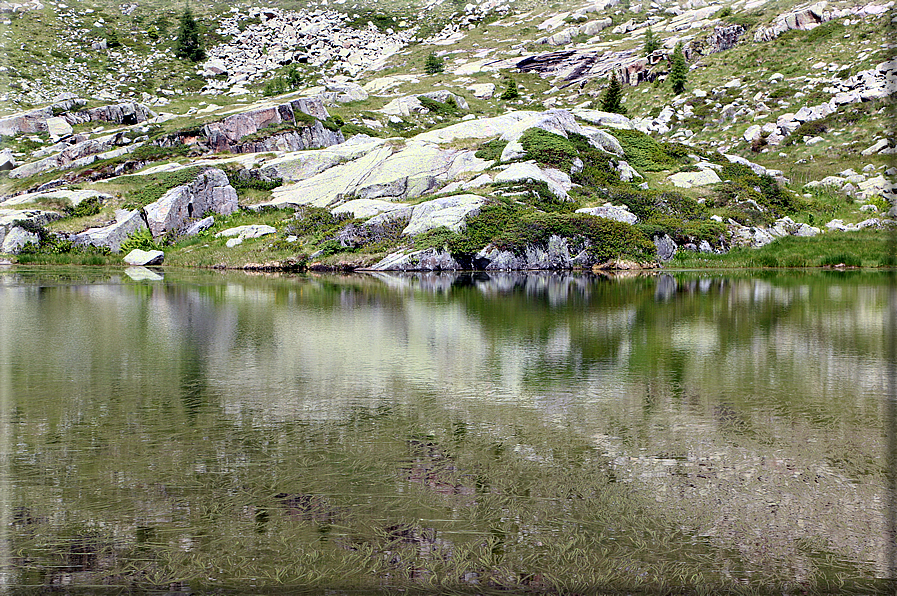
(557, 181)
(690, 179)
(875, 148)
(58, 128)
(614, 213)
(482, 90)
(450, 212)
(250, 231)
(139, 257)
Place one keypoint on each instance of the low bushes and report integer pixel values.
(548, 148)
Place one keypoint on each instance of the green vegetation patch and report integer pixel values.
(491, 150)
(644, 153)
(548, 148)
(602, 238)
(153, 186)
(742, 185)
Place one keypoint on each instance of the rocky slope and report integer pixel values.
(314, 136)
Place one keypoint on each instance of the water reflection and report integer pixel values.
(215, 429)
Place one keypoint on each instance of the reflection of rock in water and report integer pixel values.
(666, 287)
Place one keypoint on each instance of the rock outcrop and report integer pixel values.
(307, 133)
(182, 205)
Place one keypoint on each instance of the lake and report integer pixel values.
(206, 432)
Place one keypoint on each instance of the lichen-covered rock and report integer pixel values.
(558, 182)
(450, 212)
(666, 247)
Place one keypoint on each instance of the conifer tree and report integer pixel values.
(612, 100)
(189, 45)
(652, 44)
(678, 70)
(434, 64)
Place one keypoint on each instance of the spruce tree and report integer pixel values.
(612, 100)
(434, 64)
(189, 45)
(678, 70)
(652, 44)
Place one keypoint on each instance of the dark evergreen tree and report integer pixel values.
(612, 100)
(678, 70)
(511, 90)
(652, 44)
(189, 45)
(434, 64)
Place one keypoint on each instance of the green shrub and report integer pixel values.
(435, 238)
(646, 204)
(491, 150)
(483, 227)
(602, 238)
(643, 152)
(548, 148)
(141, 239)
(511, 91)
(781, 91)
(87, 207)
(744, 184)
(439, 108)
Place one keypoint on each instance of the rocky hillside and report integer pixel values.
(441, 134)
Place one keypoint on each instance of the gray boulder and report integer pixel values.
(111, 236)
(666, 247)
(122, 113)
(144, 258)
(690, 179)
(15, 239)
(7, 161)
(210, 191)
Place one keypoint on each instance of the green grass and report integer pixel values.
(863, 248)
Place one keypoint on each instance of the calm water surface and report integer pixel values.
(206, 432)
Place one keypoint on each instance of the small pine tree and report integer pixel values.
(511, 91)
(612, 100)
(652, 44)
(678, 70)
(434, 64)
(189, 45)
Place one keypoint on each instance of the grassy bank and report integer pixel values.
(864, 248)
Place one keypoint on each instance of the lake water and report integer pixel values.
(193, 432)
